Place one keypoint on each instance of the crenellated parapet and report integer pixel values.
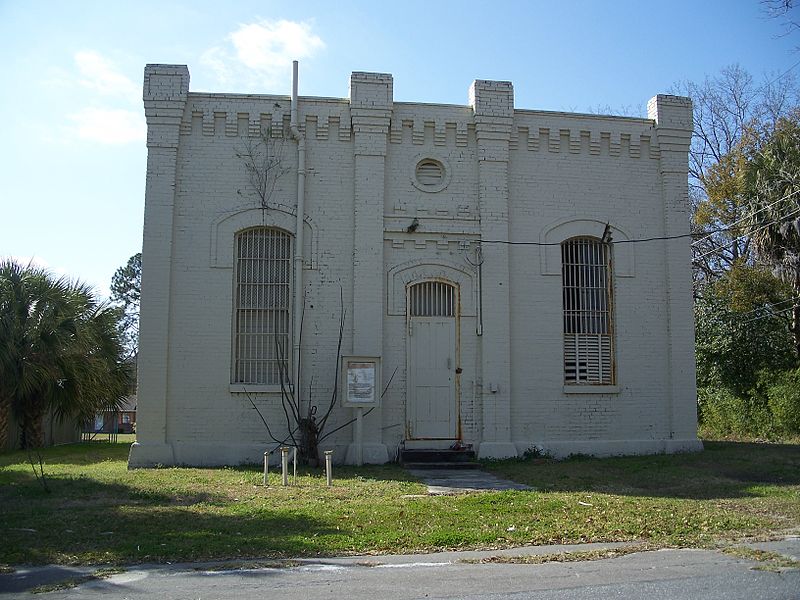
(607, 136)
(439, 125)
(213, 115)
(452, 126)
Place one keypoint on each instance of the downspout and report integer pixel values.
(298, 236)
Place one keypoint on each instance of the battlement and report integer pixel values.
(492, 98)
(166, 82)
(371, 90)
(673, 112)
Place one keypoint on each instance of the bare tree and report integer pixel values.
(262, 157)
(782, 10)
(305, 416)
(726, 106)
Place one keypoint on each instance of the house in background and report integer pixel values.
(521, 276)
(113, 420)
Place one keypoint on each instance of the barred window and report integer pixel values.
(263, 275)
(432, 299)
(588, 339)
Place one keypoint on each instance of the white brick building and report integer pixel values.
(557, 340)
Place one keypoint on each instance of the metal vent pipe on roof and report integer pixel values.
(298, 236)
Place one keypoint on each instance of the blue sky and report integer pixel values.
(73, 161)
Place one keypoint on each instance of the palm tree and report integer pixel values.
(773, 182)
(60, 351)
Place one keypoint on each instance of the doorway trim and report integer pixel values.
(433, 298)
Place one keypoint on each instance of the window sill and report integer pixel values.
(240, 388)
(591, 389)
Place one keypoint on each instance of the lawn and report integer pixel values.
(99, 512)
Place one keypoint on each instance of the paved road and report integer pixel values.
(667, 574)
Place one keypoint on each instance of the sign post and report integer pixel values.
(361, 378)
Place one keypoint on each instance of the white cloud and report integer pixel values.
(108, 126)
(262, 52)
(34, 261)
(106, 108)
(38, 262)
(216, 59)
(99, 74)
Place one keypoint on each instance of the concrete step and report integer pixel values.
(445, 456)
(441, 465)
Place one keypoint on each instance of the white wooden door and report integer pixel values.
(431, 367)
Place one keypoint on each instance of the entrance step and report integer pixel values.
(442, 466)
(438, 459)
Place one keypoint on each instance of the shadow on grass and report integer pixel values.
(125, 534)
(722, 470)
(82, 453)
(84, 519)
(106, 514)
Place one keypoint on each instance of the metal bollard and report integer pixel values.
(266, 467)
(285, 464)
(329, 466)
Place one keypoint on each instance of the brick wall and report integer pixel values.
(371, 230)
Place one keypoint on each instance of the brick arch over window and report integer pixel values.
(262, 301)
(224, 228)
(587, 312)
(399, 277)
(557, 232)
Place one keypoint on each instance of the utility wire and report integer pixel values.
(750, 233)
(781, 76)
(752, 214)
(768, 305)
(650, 239)
(779, 312)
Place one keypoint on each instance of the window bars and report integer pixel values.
(588, 339)
(431, 299)
(262, 296)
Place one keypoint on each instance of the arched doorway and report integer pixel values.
(432, 411)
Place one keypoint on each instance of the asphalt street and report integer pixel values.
(667, 574)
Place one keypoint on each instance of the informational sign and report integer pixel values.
(361, 381)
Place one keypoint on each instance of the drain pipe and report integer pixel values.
(298, 237)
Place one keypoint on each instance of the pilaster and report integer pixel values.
(371, 99)
(493, 106)
(166, 88)
(673, 117)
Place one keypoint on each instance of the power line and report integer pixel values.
(640, 240)
(750, 233)
(767, 306)
(781, 76)
(731, 226)
(651, 239)
(779, 312)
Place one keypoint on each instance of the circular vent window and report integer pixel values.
(430, 175)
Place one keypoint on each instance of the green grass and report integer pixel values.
(768, 561)
(578, 556)
(100, 513)
(74, 582)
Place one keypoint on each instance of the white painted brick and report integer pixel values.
(512, 174)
